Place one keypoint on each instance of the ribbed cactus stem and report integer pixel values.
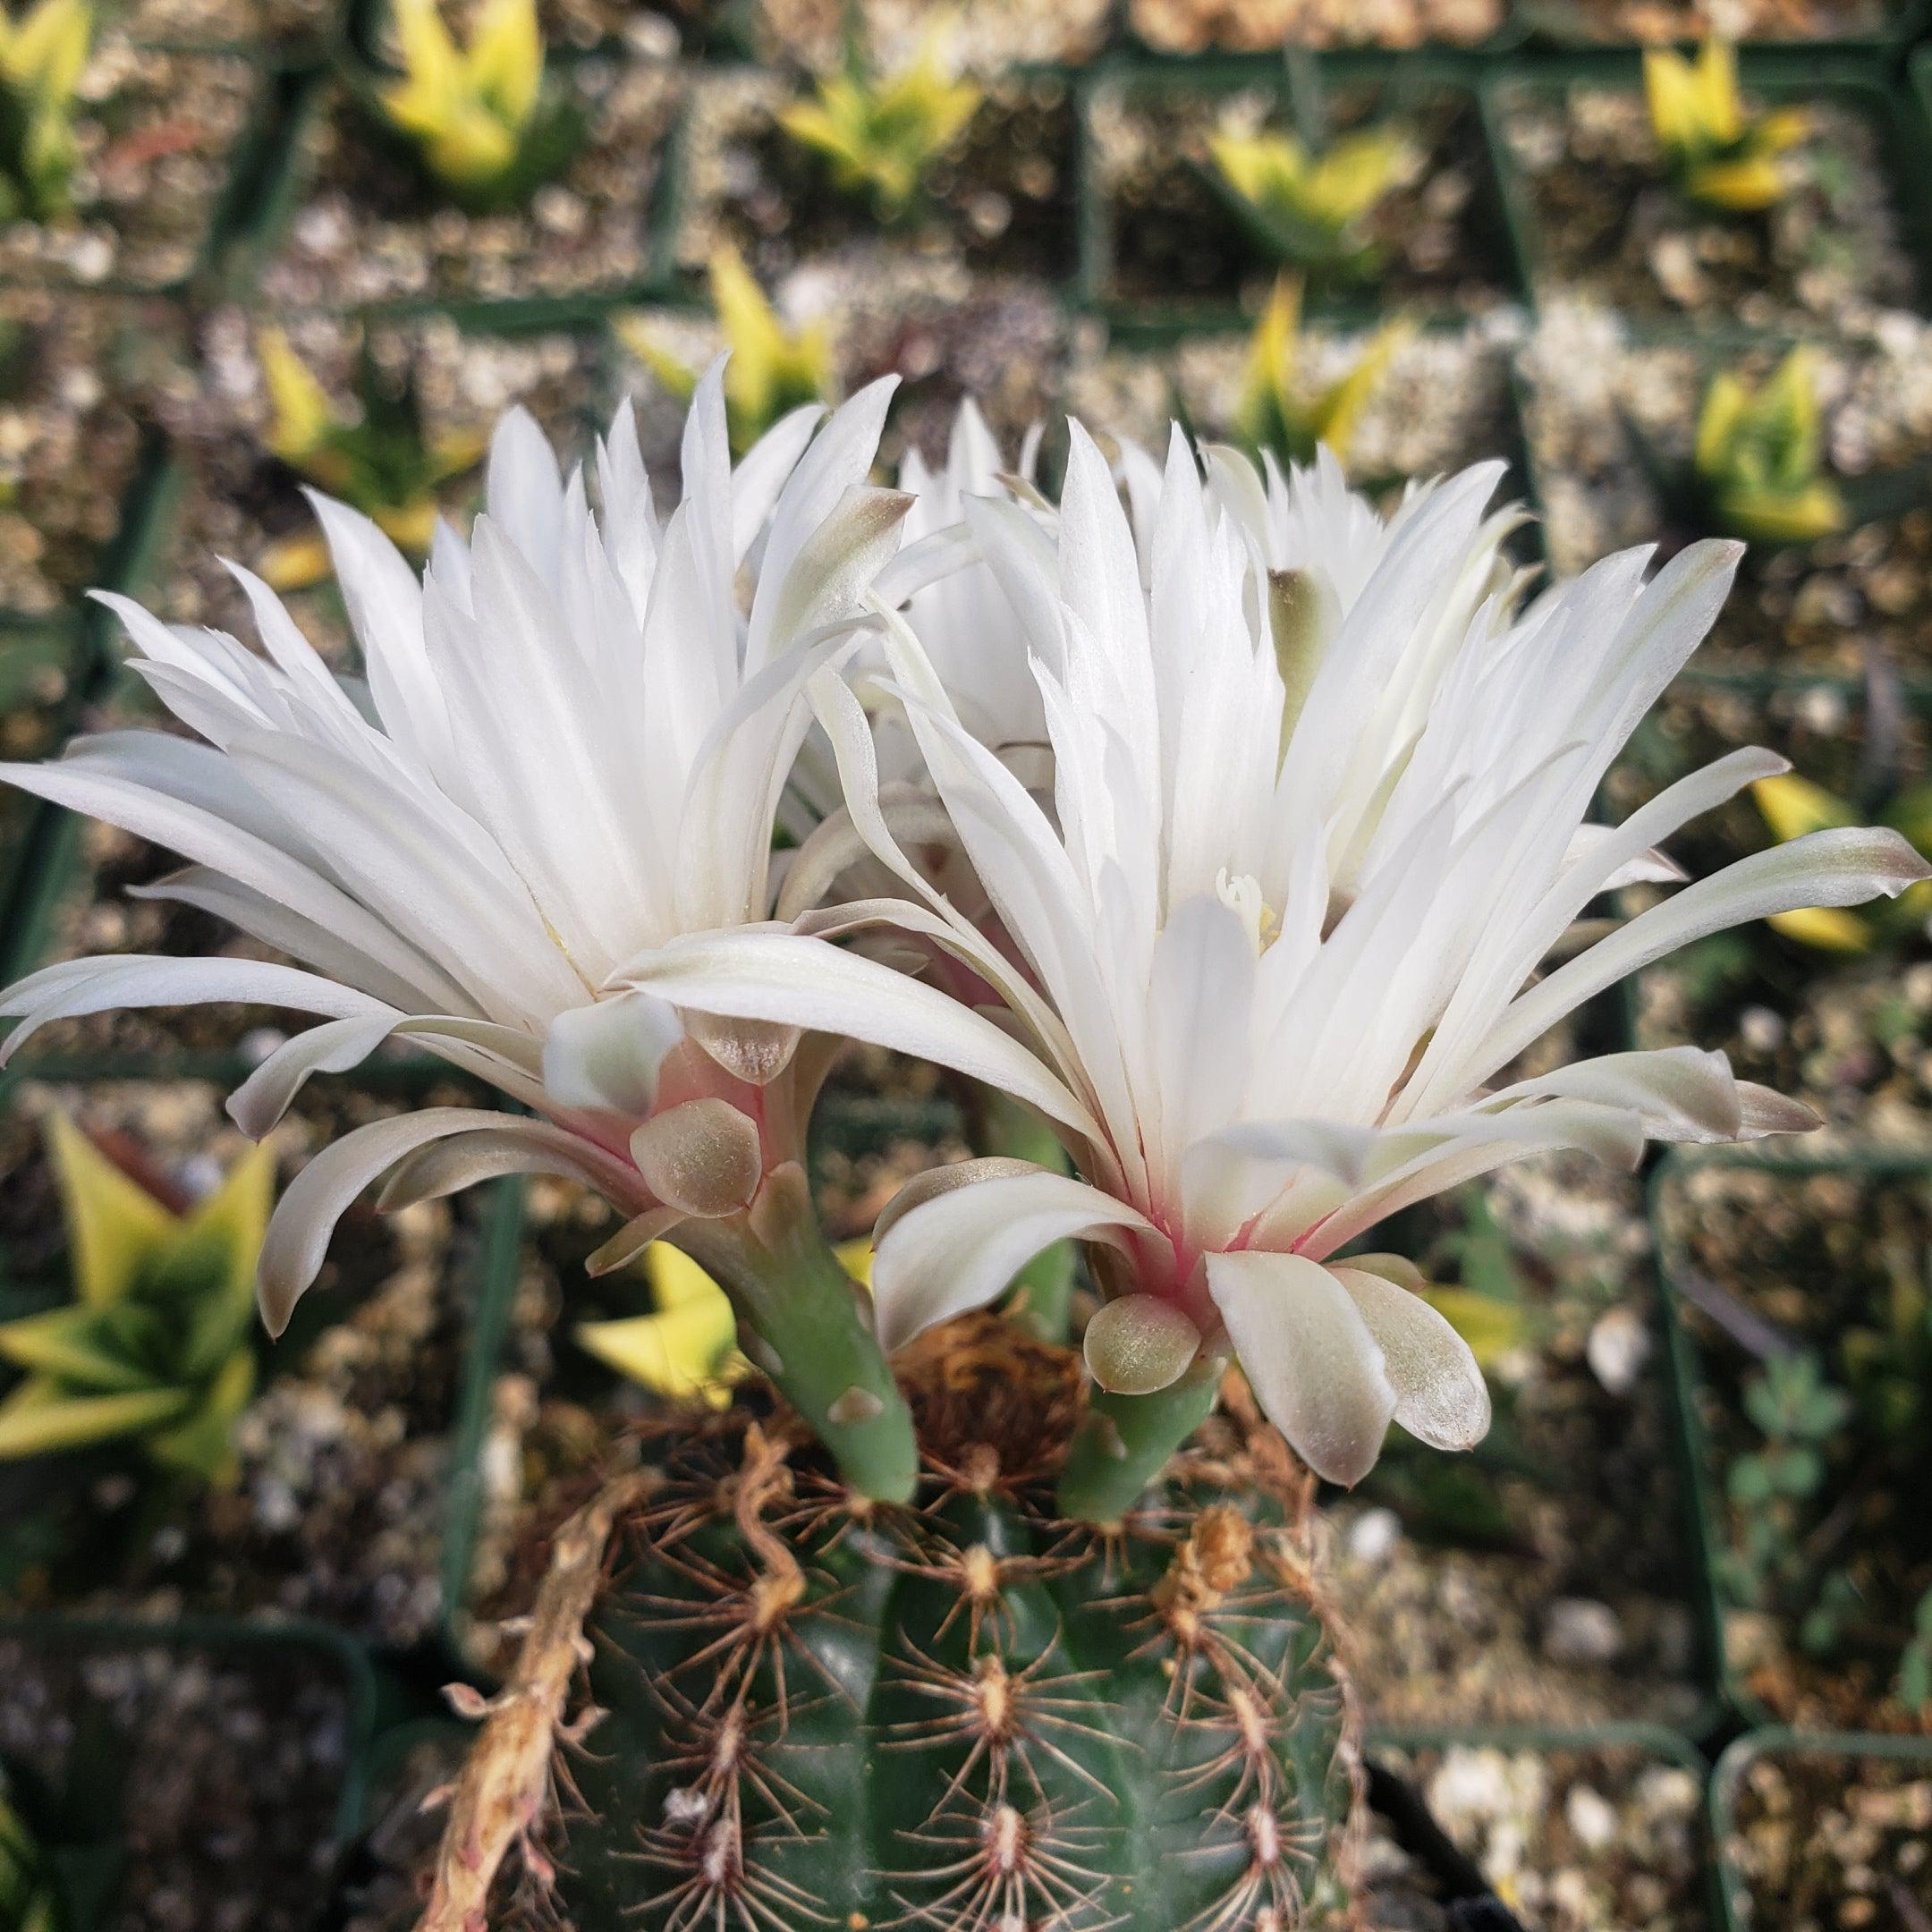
(810, 1330)
(1126, 1441)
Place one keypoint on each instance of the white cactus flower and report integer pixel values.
(1273, 939)
(573, 747)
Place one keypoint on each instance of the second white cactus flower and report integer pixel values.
(1269, 948)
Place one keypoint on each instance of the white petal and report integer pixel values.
(1309, 1357)
(767, 974)
(1440, 1395)
(960, 1248)
(607, 1055)
(73, 987)
(306, 1215)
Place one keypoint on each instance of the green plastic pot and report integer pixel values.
(1776, 1741)
(1684, 1372)
(1781, 76)
(325, 1652)
(1302, 84)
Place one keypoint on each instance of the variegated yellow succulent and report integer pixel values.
(1759, 456)
(1719, 154)
(156, 1346)
(474, 112)
(1275, 415)
(1793, 807)
(687, 1349)
(379, 458)
(1310, 209)
(773, 369)
(881, 134)
(42, 53)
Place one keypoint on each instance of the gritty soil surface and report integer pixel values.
(1174, 244)
(1261, 26)
(1658, 21)
(157, 133)
(209, 1778)
(1001, 202)
(340, 1508)
(1848, 1035)
(1834, 605)
(1610, 228)
(1603, 1839)
(986, 37)
(1544, 1578)
(1829, 1262)
(1821, 1842)
(242, 503)
(373, 227)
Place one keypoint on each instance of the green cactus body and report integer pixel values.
(965, 1715)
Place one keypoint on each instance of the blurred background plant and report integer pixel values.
(378, 457)
(157, 1347)
(881, 134)
(477, 114)
(1277, 414)
(1759, 456)
(1717, 152)
(1308, 208)
(773, 369)
(42, 53)
(686, 1349)
(1793, 806)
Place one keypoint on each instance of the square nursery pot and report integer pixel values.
(1000, 207)
(1546, 1576)
(1847, 1032)
(1822, 1830)
(944, 333)
(200, 1765)
(1798, 1329)
(40, 673)
(1162, 243)
(1611, 412)
(1834, 26)
(1444, 401)
(1596, 220)
(1567, 1830)
(233, 498)
(356, 221)
(351, 1501)
(167, 140)
(377, 1888)
(1265, 26)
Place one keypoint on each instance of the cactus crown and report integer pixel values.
(1760, 456)
(881, 133)
(1276, 414)
(41, 56)
(1310, 208)
(1719, 154)
(378, 456)
(156, 1346)
(475, 114)
(773, 369)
